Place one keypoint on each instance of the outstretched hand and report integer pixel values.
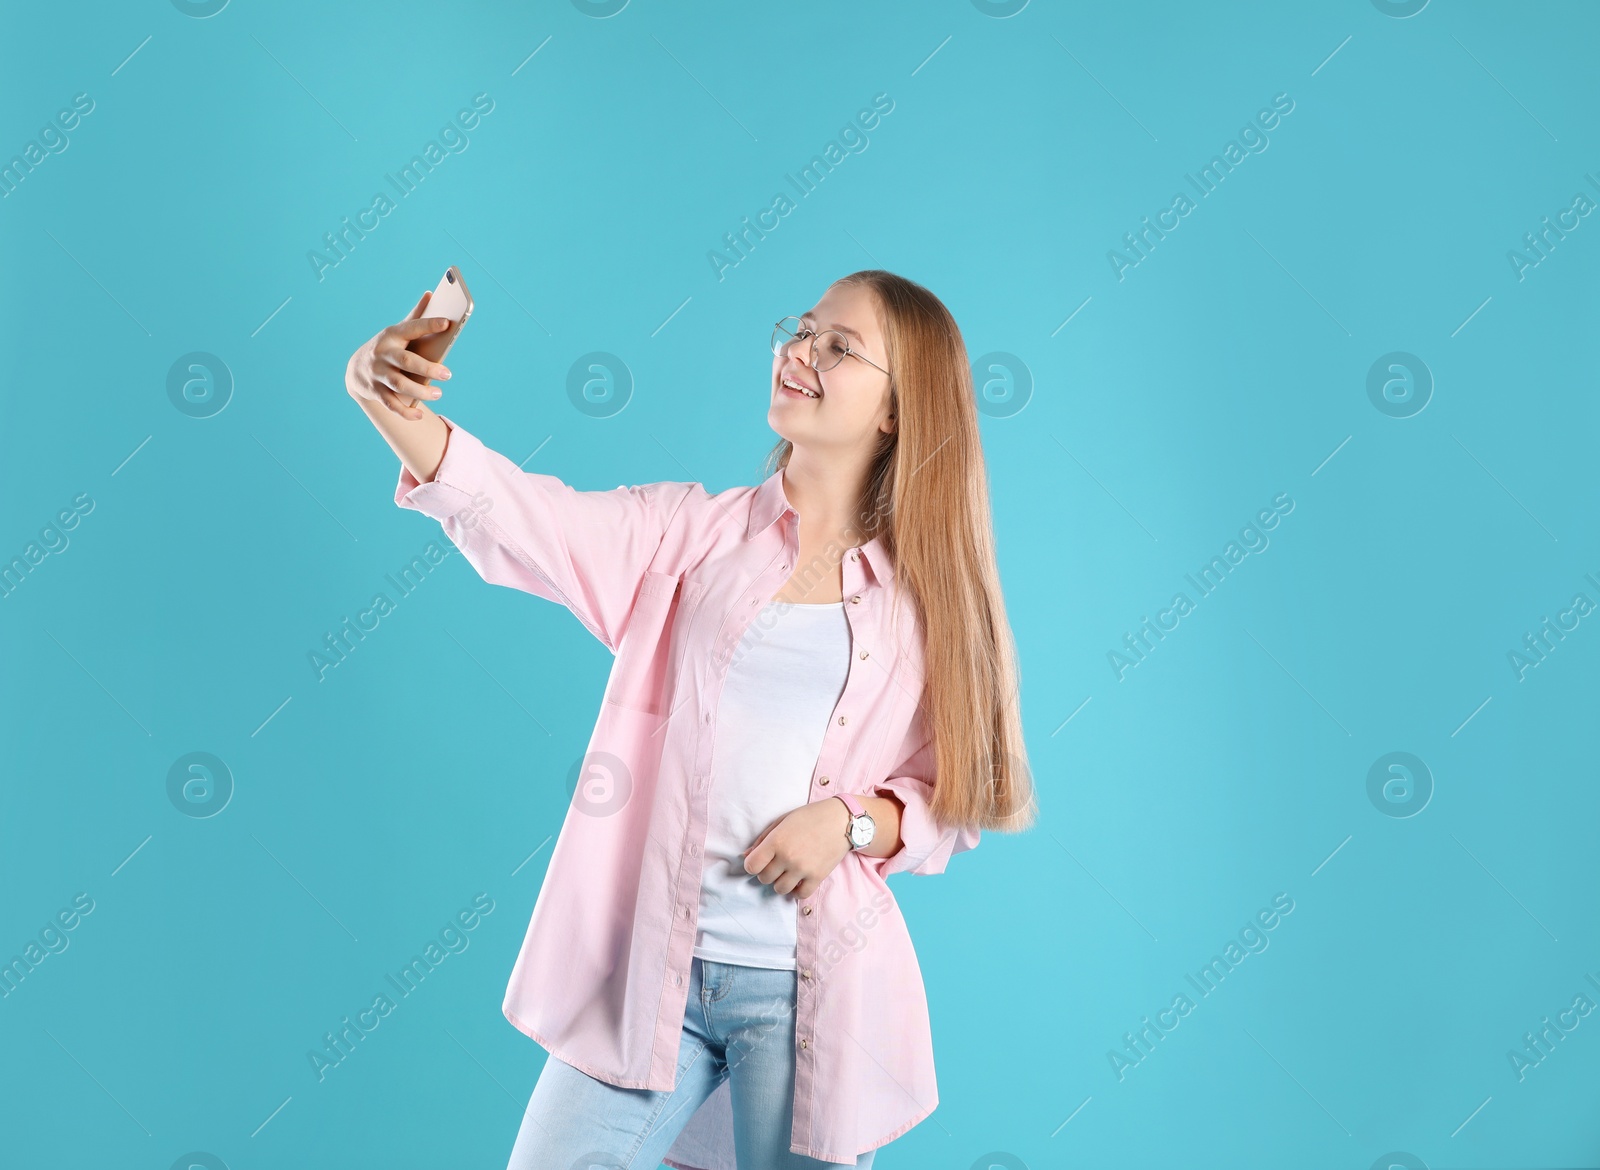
(800, 848)
(386, 372)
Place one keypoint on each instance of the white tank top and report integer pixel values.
(783, 681)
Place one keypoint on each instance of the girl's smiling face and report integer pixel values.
(853, 403)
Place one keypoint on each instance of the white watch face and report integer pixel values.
(861, 829)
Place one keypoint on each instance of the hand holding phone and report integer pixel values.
(395, 361)
(453, 302)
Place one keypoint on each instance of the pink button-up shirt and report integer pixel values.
(668, 576)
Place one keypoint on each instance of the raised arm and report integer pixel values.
(586, 550)
(384, 377)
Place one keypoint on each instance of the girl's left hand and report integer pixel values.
(799, 849)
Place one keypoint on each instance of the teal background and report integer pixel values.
(1167, 408)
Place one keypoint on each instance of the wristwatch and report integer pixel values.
(861, 828)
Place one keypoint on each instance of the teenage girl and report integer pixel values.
(881, 466)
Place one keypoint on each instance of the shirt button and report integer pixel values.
(708, 716)
(824, 780)
(805, 974)
(841, 719)
(805, 1044)
(863, 654)
(694, 851)
(856, 599)
(854, 556)
(808, 909)
(677, 980)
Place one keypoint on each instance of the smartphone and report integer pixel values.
(450, 300)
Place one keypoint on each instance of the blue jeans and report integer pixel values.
(738, 1022)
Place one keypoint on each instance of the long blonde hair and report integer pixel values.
(927, 498)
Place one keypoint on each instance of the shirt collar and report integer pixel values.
(770, 502)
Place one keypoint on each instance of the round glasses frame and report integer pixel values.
(783, 334)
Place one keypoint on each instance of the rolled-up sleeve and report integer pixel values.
(925, 845)
(586, 550)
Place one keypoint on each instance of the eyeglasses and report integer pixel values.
(828, 348)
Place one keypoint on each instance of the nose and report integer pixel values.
(796, 350)
(793, 358)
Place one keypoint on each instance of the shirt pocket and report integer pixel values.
(643, 675)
